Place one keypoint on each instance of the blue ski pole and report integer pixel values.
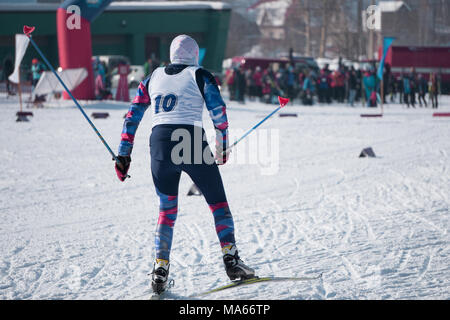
(28, 30)
(282, 101)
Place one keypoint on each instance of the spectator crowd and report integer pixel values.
(299, 83)
(325, 86)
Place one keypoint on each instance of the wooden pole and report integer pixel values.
(382, 94)
(20, 92)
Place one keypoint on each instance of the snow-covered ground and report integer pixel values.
(377, 228)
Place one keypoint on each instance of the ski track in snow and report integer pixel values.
(376, 228)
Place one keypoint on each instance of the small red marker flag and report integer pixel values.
(28, 30)
(283, 101)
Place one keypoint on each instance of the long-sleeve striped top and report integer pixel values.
(210, 92)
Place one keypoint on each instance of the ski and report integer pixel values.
(256, 280)
(157, 296)
(160, 296)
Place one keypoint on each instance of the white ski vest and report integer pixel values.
(175, 99)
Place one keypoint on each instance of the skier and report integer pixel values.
(177, 93)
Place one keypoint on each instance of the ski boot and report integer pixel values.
(235, 268)
(160, 275)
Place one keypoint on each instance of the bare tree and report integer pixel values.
(298, 26)
(243, 34)
(328, 10)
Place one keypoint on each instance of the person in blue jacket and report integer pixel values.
(407, 90)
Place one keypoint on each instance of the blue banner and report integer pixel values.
(89, 9)
(387, 42)
(201, 55)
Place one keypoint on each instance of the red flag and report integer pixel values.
(283, 101)
(28, 30)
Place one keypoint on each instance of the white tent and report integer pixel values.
(48, 83)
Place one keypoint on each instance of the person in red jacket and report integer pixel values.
(257, 80)
(229, 80)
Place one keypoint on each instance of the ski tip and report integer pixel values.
(28, 30)
(283, 101)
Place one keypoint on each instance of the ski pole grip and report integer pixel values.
(116, 160)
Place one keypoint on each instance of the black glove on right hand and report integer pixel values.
(122, 165)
